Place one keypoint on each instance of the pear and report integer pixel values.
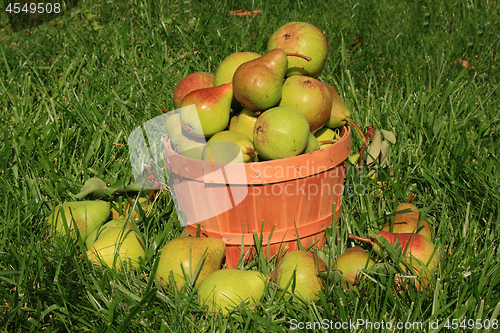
(182, 143)
(135, 214)
(226, 146)
(225, 71)
(303, 38)
(310, 97)
(413, 245)
(120, 222)
(408, 222)
(339, 112)
(211, 112)
(312, 144)
(184, 254)
(244, 122)
(194, 81)
(225, 289)
(418, 276)
(258, 83)
(305, 266)
(280, 132)
(351, 262)
(326, 134)
(117, 248)
(84, 215)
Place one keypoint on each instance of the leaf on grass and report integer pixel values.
(354, 159)
(389, 136)
(465, 64)
(374, 148)
(245, 12)
(384, 154)
(356, 45)
(94, 186)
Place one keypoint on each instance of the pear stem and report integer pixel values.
(299, 55)
(411, 197)
(361, 239)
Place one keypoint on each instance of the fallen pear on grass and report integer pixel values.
(183, 255)
(120, 222)
(300, 269)
(413, 245)
(117, 248)
(408, 222)
(417, 276)
(82, 215)
(225, 289)
(351, 262)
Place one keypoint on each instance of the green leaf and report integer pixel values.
(389, 136)
(384, 154)
(374, 148)
(94, 186)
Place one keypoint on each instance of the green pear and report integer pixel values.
(244, 122)
(84, 215)
(308, 96)
(302, 38)
(408, 222)
(120, 222)
(117, 248)
(182, 143)
(225, 71)
(351, 262)
(412, 245)
(280, 132)
(184, 254)
(339, 112)
(225, 146)
(225, 289)
(326, 134)
(258, 83)
(305, 266)
(194, 81)
(211, 112)
(312, 144)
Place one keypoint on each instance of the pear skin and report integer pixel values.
(339, 111)
(244, 122)
(351, 262)
(225, 71)
(85, 216)
(408, 222)
(418, 276)
(117, 246)
(120, 222)
(211, 112)
(194, 81)
(312, 144)
(258, 84)
(225, 289)
(226, 146)
(306, 267)
(185, 253)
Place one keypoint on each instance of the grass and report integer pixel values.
(73, 88)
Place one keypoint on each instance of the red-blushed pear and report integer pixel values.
(258, 83)
(226, 289)
(411, 244)
(301, 269)
(408, 222)
(244, 122)
(339, 112)
(182, 256)
(211, 112)
(302, 38)
(280, 132)
(308, 96)
(351, 262)
(225, 71)
(193, 81)
(415, 274)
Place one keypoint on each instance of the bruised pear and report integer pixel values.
(301, 269)
(351, 262)
(225, 289)
(182, 255)
(280, 132)
(229, 146)
(82, 215)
